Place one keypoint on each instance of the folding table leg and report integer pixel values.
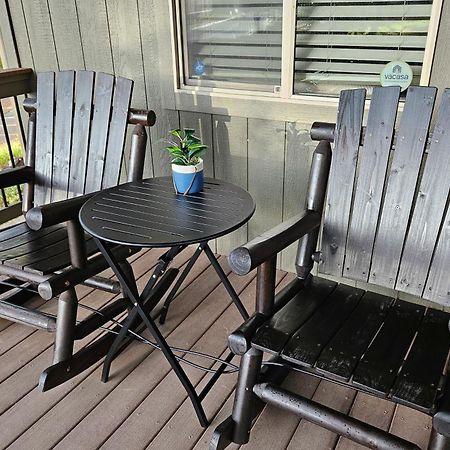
(226, 282)
(131, 291)
(181, 278)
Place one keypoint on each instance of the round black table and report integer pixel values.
(148, 213)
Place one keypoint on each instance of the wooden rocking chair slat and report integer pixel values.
(403, 173)
(429, 208)
(340, 183)
(58, 261)
(372, 161)
(306, 344)
(421, 374)
(84, 84)
(44, 137)
(274, 334)
(345, 349)
(103, 92)
(438, 284)
(25, 239)
(63, 134)
(33, 245)
(378, 368)
(117, 130)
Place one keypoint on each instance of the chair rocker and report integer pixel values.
(75, 147)
(386, 221)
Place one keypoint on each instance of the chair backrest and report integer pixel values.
(81, 120)
(387, 215)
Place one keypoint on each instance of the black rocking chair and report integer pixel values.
(75, 146)
(386, 221)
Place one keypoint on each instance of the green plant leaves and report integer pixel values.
(189, 149)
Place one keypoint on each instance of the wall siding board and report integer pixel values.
(202, 124)
(66, 34)
(265, 173)
(124, 31)
(40, 32)
(230, 164)
(19, 25)
(94, 30)
(167, 120)
(298, 154)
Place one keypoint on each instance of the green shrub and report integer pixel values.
(11, 193)
(17, 151)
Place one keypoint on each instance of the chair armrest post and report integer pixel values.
(317, 186)
(137, 156)
(30, 153)
(265, 286)
(77, 247)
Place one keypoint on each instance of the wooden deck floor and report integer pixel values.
(143, 405)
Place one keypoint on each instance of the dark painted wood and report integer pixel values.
(44, 137)
(116, 137)
(62, 134)
(438, 284)
(429, 207)
(26, 237)
(372, 161)
(104, 84)
(59, 261)
(344, 351)
(420, 376)
(273, 335)
(84, 84)
(401, 184)
(340, 184)
(378, 368)
(306, 344)
(33, 245)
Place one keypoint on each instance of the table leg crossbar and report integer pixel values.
(155, 288)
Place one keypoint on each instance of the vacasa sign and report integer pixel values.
(396, 73)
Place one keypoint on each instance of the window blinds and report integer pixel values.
(234, 41)
(346, 43)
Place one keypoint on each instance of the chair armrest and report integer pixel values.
(15, 176)
(244, 259)
(53, 213)
(239, 342)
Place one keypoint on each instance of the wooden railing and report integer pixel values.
(14, 84)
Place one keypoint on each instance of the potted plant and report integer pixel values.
(187, 164)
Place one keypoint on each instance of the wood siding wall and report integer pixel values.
(131, 38)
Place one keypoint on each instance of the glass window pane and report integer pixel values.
(346, 43)
(233, 41)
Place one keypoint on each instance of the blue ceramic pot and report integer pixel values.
(188, 179)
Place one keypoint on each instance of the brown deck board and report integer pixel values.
(143, 405)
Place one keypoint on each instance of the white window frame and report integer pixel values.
(282, 104)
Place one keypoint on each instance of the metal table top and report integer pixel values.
(148, 213)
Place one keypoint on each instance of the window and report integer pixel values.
(322, 45)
